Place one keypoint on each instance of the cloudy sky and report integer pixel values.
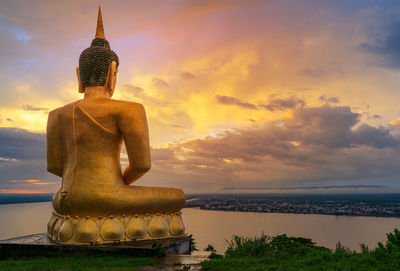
(241, 96)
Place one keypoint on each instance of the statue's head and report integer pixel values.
(98, 64)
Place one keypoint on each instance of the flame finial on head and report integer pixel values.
(95, 60)
(100, 28)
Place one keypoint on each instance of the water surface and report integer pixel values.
(214, 227)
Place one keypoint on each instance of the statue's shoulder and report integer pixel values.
(55, 112)
(127, 107)
(54, 116)
(63, 109)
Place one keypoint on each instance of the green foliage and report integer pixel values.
(213, 254)
(295, 253)
(393, 242)
(193, 245)
(364, 248)
(278, 246)
(83, 263)
(210, 248)
(242, 246)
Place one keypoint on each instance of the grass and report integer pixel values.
(279, 253)
(82, 263)
(283, 253)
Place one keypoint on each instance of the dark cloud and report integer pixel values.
(234, 101)
(323, 98)
(377, 137)
(325, 125)
(323, 145)
(187, 75)
(316, 127)
(13, 172)
(22, 157)
(160, 83)
(283, 103)
(28, 107)
(20, 144)
(386, 47)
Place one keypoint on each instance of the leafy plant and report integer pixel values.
(193, 245)
(213, 254)
(278, 246)
(281, 253)
(210, 248)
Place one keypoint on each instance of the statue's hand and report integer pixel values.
(125, 176)
(130, 174)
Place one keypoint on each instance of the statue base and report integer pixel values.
(40, 245)
(143, 230)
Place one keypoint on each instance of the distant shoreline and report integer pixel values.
(292, 213)
(269, 204)
(361, 205)
(24, 198)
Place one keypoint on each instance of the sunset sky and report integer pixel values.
(241, 96)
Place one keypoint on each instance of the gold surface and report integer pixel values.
(100, 28)
(111, 229)
(83, 147)
(84, 141)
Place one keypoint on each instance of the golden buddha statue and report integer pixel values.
(96, 203)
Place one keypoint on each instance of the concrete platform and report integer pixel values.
(41, 245)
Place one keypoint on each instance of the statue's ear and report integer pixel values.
(80, 88)
(111, 80)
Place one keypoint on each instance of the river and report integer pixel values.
(215, 227)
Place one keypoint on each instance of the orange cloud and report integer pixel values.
(34, 182)
(44, 183)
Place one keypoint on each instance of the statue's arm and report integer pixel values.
(54, 145)
(133, 126)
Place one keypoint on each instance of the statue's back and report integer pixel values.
(92, 142)
(90, 134)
